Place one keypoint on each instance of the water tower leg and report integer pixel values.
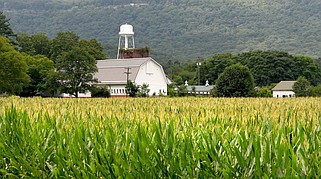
(118, 47)
(126, 42)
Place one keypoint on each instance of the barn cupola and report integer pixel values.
(126, 44)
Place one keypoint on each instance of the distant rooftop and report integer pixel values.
(284, 86)
(200, 88)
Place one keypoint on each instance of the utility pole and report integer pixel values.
(127, 72)
(198, 70)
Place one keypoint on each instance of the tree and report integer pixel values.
(63, 42)
(100, 91)
(52, 83)
(301, 87)
(131, 89)
(316, 90)
(13, 68)
(94, 48)
(39, 67)
(309, 68)
(264, 92)
(235, 81)
(171, 90)
(144, 91)
(75, 62)
(76, 69)
(215, 65)
(37, 44)
(182, 90)
(5, 29)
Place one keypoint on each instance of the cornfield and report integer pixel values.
(160, 138)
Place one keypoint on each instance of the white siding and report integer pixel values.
(282, 94)
(117, 90)
(153, 75)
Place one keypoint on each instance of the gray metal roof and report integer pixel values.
(113, 71)
(284, 86)
(200, 88)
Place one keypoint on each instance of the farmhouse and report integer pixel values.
(115, 72)
(283, 89)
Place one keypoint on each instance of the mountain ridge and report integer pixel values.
(183, 30)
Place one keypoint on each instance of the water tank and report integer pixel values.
(126, 29)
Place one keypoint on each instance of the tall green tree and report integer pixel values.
(94, 48)
(76, 69)
(13, 68)
(75, 62)
(63, 42)
(215, 65)
(36, 44)
(302, 87)
(5, 29)
(39, 68)
(235, 81)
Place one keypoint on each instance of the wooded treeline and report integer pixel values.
(179, 29)
(267, 67)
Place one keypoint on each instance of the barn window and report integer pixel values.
(149, 68)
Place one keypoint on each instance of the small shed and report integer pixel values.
(284, 89)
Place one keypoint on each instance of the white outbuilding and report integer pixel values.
(284, 89)
(116, 72)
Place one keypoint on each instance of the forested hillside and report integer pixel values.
(185, 29)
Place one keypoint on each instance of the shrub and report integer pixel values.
(235, 81)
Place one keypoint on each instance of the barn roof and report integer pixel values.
(284, 86)
(113, 71)
(200, 88)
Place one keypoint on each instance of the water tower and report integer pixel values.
(126, 38)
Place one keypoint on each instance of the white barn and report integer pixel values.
(115, 72)
(284, 89)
